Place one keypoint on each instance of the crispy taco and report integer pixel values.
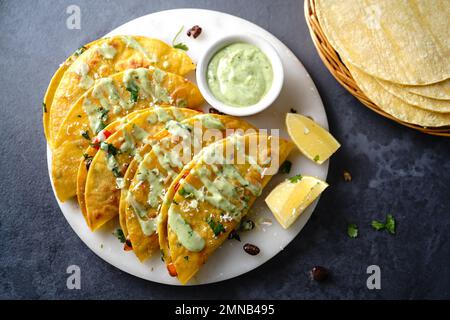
(110, 99)
(171, 150)
(103, 182)
(212, 194)
(129, 175)
(92, 150)
(56, 79)
(104, 58)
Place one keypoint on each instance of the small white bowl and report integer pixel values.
(269, 97)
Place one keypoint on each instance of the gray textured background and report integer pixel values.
(395, 170)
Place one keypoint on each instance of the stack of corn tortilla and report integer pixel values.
(397, 51)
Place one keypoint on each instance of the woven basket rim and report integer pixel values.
(340, 72)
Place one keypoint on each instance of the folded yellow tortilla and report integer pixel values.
(56, 79)
(161, 165)
(129, 175)
(104, 58)
(90, 153)
(209, 198)
(110, 99)
(106, 175)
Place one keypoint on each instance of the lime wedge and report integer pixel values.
(316, 143)
(290, 198)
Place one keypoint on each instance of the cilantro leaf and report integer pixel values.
(352, 230)
(179, 45)
(184, 193)
(120, 235)
(285, 167)
(377, 225)
(390, 224)
(316, 158)
(109, 148)
(216, 226)
(295, 178)
(134, 92)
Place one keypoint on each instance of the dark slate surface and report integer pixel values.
(395, 170)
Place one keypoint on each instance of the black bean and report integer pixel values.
(251, 249)
(194, 31)
(215, 111)
(320, 273)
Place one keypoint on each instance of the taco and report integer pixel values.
(56, 79)
(171, 150)
(209, 198)
(92, 150)
(104, 58)
(105, 178)
(129, 175)
(110, 99)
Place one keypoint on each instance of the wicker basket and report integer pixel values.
(338, 69)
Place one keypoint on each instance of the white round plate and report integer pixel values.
(298, 92)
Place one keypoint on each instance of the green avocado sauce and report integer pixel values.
(189, 238)
(239, 75)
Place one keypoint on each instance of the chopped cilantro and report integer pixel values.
(216, 227)
(44, 107)
(174, 202)
(377, 225)
(120, 235)
(285, 167)
(295, 178)
(388, 225)
(352, 230)
(109, 148)
(179, 45)
(85, 134)
(79, 51)
(186, 258)
(316, 158)
(116, 172)
(103, 113)
(103, 117)
(184, 193)
(134, 92)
